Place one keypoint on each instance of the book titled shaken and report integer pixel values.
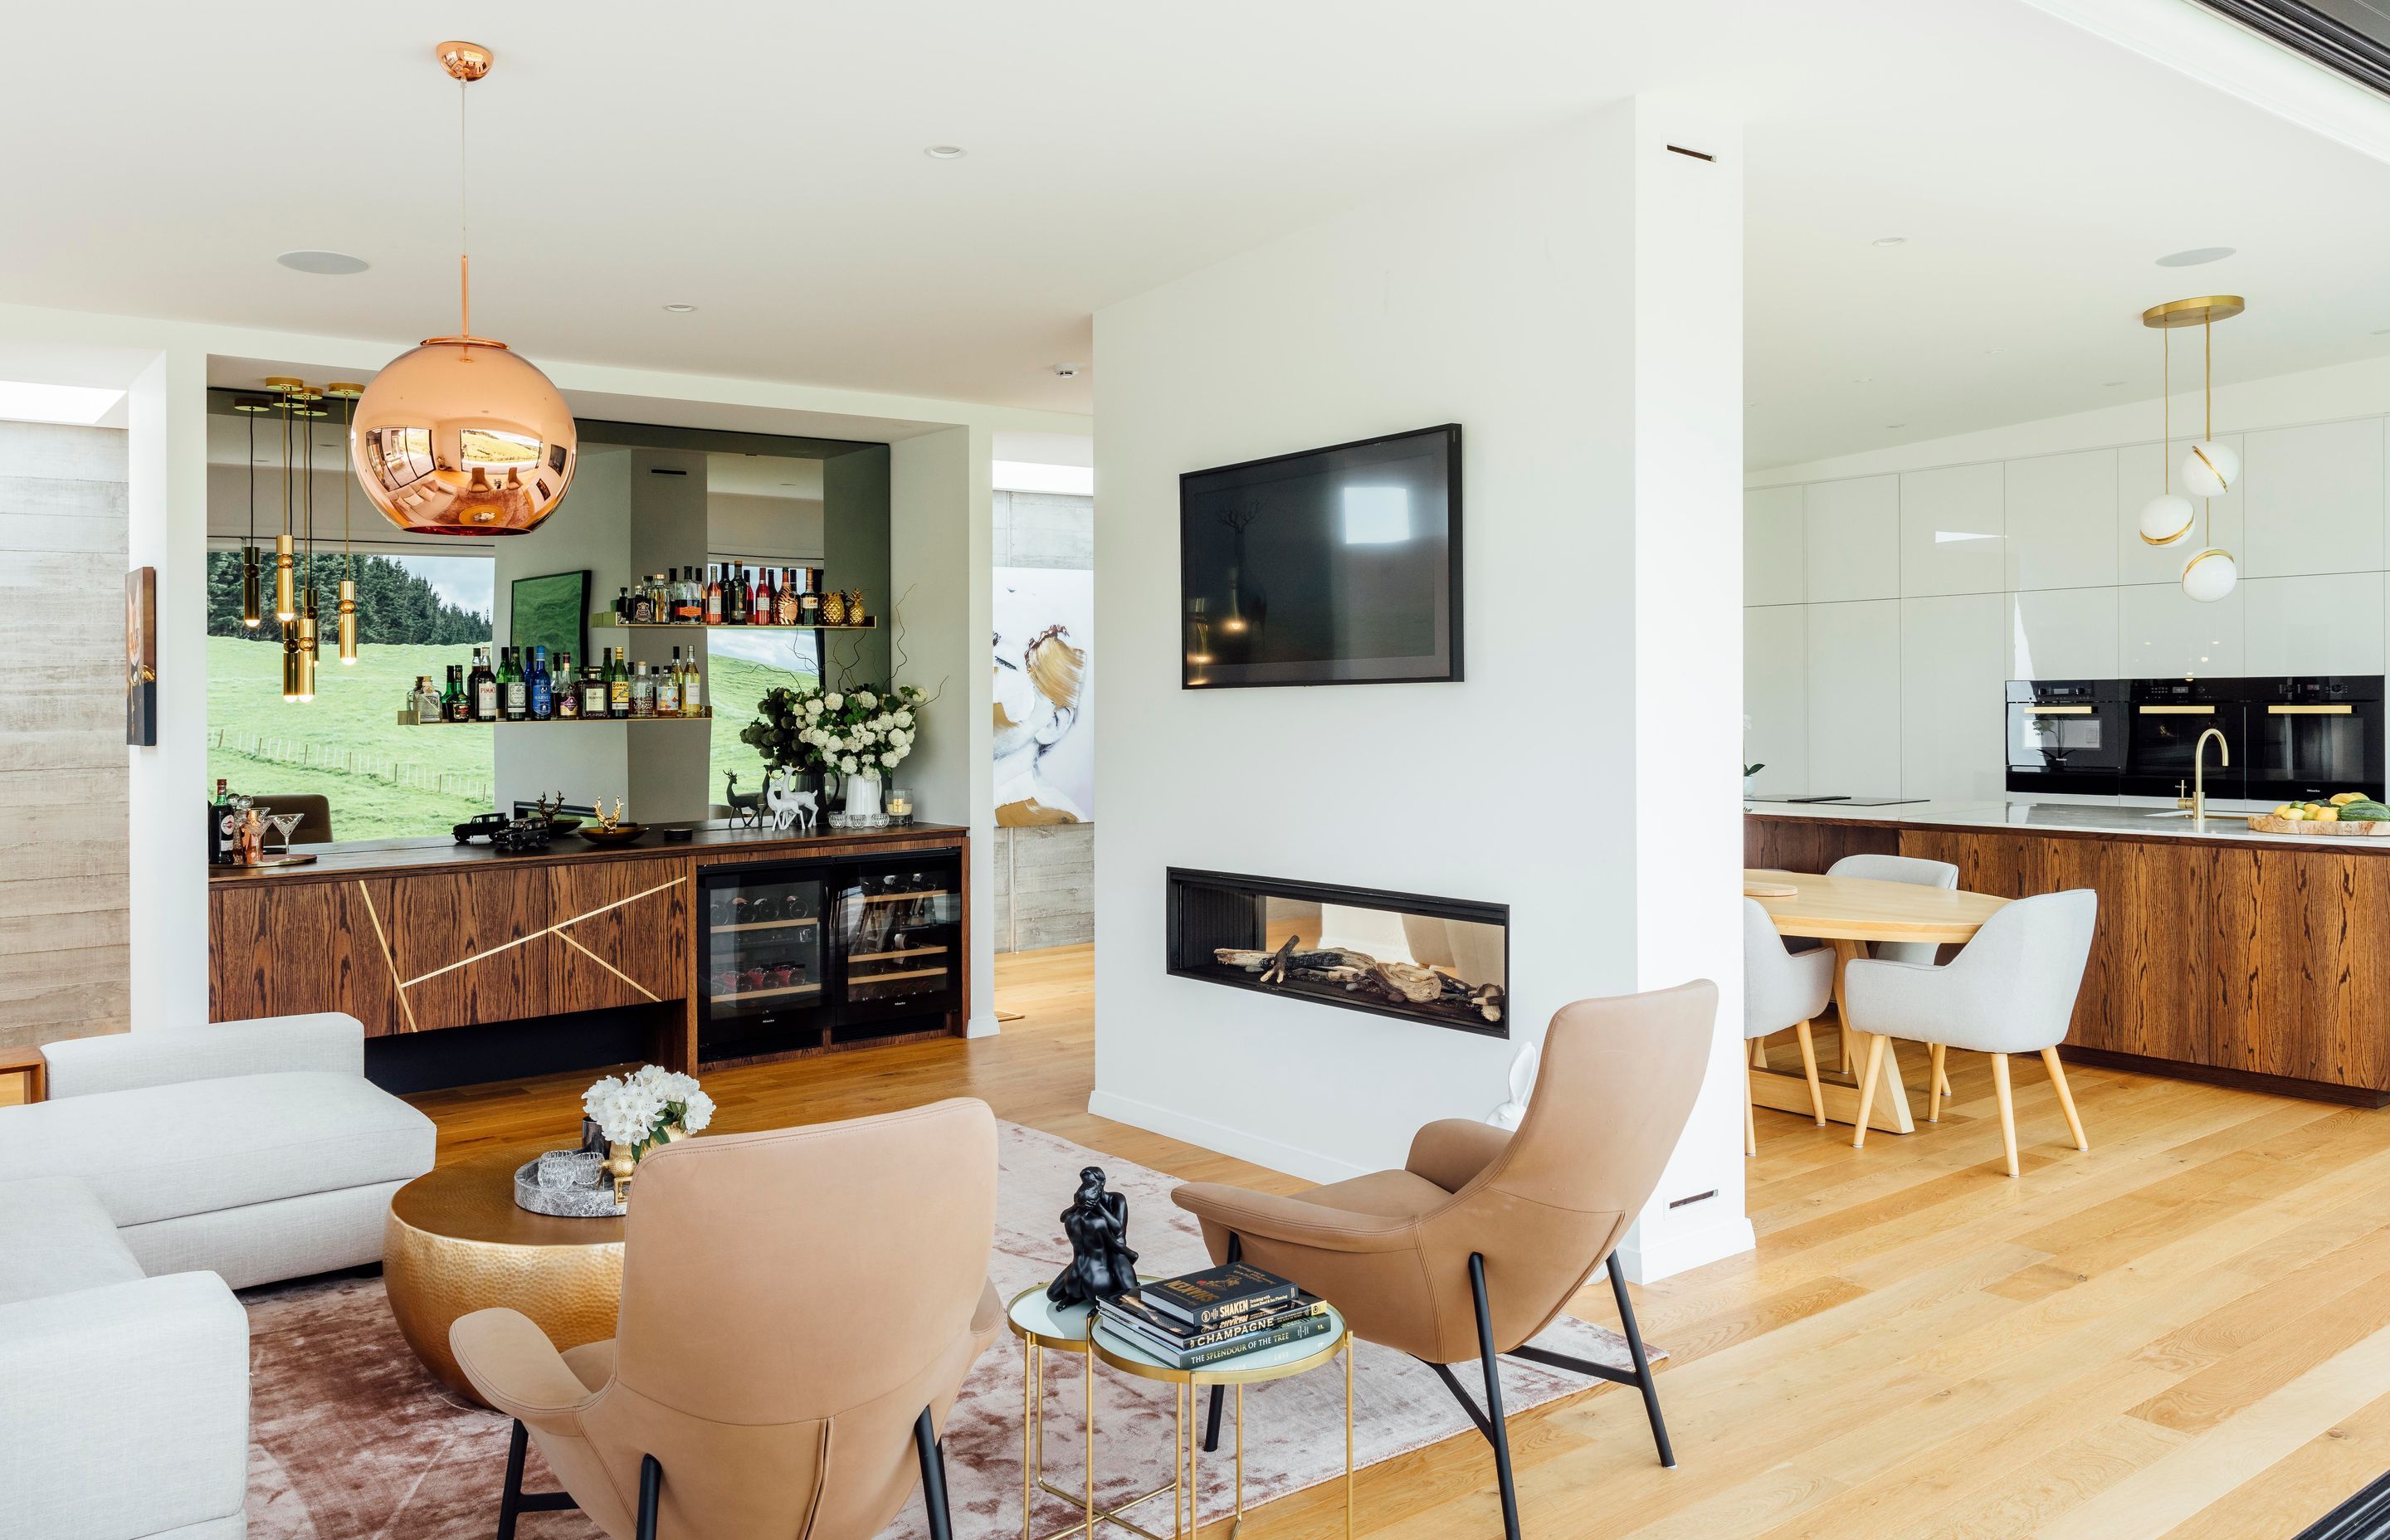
(1216, 1296)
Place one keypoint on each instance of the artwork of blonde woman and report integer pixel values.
(1037, 704)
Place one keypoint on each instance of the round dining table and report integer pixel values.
(1847, 913)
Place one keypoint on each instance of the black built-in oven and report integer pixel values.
(2310, 738)
(2067, 735)
(2168, 718)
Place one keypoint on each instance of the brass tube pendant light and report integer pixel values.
(2211, 468)
(252, 580)
(462, 436)
(285, 600)
(310, 638)
(348, 390)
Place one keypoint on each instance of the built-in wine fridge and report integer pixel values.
(821, 954)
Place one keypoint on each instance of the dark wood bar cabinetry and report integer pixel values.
(2260, 965)
(420, 936)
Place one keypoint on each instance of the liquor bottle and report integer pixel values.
(541, 688)
(514, 692)
(483, 685)
(593, 691)
(564, 685)
(791, 606)
(220, 827)
(454, 706)
(692, 688)
(622, 603)
(668, 688)
(618, 684)
(643, 691)
(767, 611)
(643, 603)
(713, 594)
(690, 606)
(734, 598)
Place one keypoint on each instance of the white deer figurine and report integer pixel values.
(789, 805)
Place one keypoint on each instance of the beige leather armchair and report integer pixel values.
(799, 1310)
(1484, 1236)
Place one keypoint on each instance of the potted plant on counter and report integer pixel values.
(857, 737)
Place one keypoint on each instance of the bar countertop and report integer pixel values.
(717, 837)
(2153, 821)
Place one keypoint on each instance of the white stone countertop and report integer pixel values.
(2146, 819)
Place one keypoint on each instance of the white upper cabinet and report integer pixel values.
(2327, 624)
(1851, 539)
(2314, 498)
(1855, 698)
(2142, 472)
(1771, 545)
(2062, 521)
(1951, 526)
(2165, 633)
(1953, 713)
(2062, 634)
(1776, 696)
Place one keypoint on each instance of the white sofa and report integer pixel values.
(168, 1168)
(256, 1150)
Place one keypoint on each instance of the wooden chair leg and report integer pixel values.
(2008, 1109)
(1759, 1053)
(1867, 1088)
(1938, 1085)
(1750, 1121)
(1810, 1068)
(1941, 1078)
(2065, 1097)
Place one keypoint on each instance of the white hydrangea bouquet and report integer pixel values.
(649, 1107)
(862, 733)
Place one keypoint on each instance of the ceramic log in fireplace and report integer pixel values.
(1439, 960)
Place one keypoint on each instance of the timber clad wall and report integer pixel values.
(1045, 878)
(64, 963)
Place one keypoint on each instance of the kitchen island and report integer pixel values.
(437, 939)
(2260, 961)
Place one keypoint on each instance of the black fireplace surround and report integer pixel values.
(1453, 969)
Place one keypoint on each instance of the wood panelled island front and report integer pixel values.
(422, 936)
(2264, 964)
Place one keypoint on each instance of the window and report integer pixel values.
(741, 666)
(416, 614)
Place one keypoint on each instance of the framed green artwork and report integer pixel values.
(551, 611)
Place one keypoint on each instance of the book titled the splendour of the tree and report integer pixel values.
(1216, 1296)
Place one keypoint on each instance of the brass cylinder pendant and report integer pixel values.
(290, 681)
(286, 594)
(348, 621)
(306, 652)
(249, 587)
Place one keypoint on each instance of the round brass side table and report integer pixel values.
(454, 1244)
(1041, 1327)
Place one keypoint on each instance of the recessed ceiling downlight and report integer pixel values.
(1891, 241)
(680, 309)
(2197, 256)
(331, 264)
(945, 152)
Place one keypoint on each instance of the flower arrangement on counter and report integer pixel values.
(862, 733)
(649, 1107)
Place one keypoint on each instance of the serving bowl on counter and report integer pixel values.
(621, 834)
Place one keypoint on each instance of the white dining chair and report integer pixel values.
(1922, 873)
(2009, 991)
(1780, 989)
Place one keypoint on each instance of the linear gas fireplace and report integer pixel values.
(1441, 960)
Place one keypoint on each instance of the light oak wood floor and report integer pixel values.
(2184, 1332)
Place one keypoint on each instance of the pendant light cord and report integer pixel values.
(348, 432)
(464, 246)
(2208, 416)
(2165, 407)
(253, 475)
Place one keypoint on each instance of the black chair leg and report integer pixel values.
(1643, 1379)
(1497, 1430)
(510, 1500)
(1220, 1392)
(932, 1455)
(651, 1491)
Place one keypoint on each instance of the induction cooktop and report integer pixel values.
(1838, 800)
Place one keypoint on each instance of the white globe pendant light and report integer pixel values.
(2210, 470)
(2166, 519)
(2210, 574)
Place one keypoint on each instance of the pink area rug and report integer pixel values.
(350, 1439)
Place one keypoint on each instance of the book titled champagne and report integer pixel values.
(1217, 1295)
(1315, 1324)
(1132, 1310)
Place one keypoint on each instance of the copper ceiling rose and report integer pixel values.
(462, 436)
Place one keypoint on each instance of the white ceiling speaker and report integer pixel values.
(2166, 519)
(2210, 469)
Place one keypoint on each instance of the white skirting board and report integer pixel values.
(1684, 1252)
(1309, 1165)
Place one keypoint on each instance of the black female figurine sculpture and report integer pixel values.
(1102, 1267)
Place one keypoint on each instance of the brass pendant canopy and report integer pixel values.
(462, 436)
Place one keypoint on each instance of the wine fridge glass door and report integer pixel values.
(764, 979)
(899, 933)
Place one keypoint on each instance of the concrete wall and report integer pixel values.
(65, 967)
(1575, 305)
(1044, 892)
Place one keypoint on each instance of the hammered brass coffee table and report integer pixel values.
(456, 1242)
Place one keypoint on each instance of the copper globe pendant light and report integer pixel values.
(462, 436)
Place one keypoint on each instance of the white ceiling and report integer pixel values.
(764, 162)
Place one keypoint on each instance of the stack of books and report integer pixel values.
(1202, 1318)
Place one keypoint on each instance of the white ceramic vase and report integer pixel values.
(862, 796)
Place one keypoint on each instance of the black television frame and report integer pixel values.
(1454, 675)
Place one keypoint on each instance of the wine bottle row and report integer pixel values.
(733, 595)
(517, 688)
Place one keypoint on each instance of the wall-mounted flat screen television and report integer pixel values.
(1338, 566)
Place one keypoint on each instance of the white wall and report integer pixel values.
(1887, 609)
(591, 527)
(1575, 305)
